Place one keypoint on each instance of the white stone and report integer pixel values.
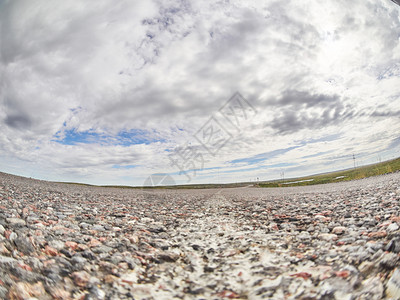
(328, 237)
(392, 227)
(393, 285)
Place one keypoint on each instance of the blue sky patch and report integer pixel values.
(126, 167)
(262, 156)
(73, 137)
(123, 138)
(328, 138)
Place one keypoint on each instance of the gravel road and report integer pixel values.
(333, 241)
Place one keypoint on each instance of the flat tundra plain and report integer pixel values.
(333, 241)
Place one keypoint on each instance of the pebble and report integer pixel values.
(98, 227)
(372, 288)
(339, 230)
(335, 241)
(24, 245)
(389, 260)
(12, 237)
(81, 278)
(393, 285)
(393, 245)
(15, 222)
(392, 227)
(328, 237)
(56, 244)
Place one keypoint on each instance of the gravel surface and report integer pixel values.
(334, 241)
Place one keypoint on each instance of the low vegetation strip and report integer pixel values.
(386, 167)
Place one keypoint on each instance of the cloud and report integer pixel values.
(85, 87)
(300, 110)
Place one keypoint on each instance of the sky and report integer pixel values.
(109, 92)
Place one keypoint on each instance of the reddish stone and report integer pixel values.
(377, 234)
(25, 212)
(50, 251)
(343, 274)
(82, 247)
(81, 278)
(110, 278)
(25, 267)
(7, 234)
(141, 259)
(134, 239)
(303, 275)
(228, 294)
(71, 245)
(49, 262)
(326, 212)
(395, 218)
(3, 249)
(60, 294)
(94, 243)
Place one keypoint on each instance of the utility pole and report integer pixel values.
(354, 160)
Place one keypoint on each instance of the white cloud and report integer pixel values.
(311, 70)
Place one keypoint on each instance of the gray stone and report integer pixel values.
(98, 227)
(102, 249)
(393, 245)
(3, 292)
(7, 260)
(56, 244)
(77, 259)
(15, 222)
(24, 245)
(35, 263)
(388, 260)
(84, 225)
(96, 294)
